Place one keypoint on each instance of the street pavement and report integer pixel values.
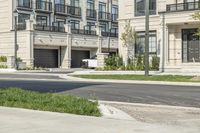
(187, 96)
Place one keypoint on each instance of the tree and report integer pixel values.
(196, 16)
(129, 35)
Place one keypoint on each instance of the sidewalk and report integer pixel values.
(27, 121)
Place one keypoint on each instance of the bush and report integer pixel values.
(3, 66)
(3, 59)
(155, 63)
(140, 62)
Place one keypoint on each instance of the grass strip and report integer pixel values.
(19, 98)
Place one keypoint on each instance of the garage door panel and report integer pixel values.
(46, 58)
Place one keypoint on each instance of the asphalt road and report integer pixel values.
(188, 96)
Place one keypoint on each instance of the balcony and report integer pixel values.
(83, 32)
(112, 33)
(43, 6)
(74, 11)
(24, 4)
(61, 9)
(183, 6)
(91, 14)
(21, 26)
(49, 28)
(104, 16)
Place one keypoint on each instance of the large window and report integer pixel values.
(75, 24)
(140, 7)
(90, 4)
(60, 2)
(75, 3)
(102, 7)
(114, 12)
(23, 17)
(140, 44)
(41, 20)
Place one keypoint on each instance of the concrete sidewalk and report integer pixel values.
(27, 121)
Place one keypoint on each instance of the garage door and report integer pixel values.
(78, 56)
(46, 58)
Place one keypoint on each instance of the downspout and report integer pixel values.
(163, 43)
(109, 9)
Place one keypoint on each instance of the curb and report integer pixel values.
(150, 105)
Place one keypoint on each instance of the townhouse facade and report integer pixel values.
(58, 33)
(172, 30)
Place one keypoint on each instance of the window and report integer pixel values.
(75, 24)
(75, 3)
(102, 7)
(60, 2)
(23, 17)
(104, 27)
(90, 4)
(140, 7)
(140, 44)
(41, 20)
(90, 26)
(114, 12)
(24, 3)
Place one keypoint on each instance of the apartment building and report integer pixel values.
(172, 31)
(58, 33)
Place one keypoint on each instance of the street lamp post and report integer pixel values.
(15, 43)
(147, 38)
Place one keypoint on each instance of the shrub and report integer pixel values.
(3, 66)
(155, 63)
(3, 59)
(140, 62)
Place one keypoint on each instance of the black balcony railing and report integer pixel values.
(60, 8)
(21, 26)
(49, 28)
(43, 6)
(112, 33)
(114, 17)
(24, 4)
(183, 6)
(104, 16)
(91, 14)
(84, 32)
(74, 11)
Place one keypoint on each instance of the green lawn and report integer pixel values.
(141, 77)
(15, 97)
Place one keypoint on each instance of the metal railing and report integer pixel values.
(75, 11)
(49, 28)
(104, 16)
(92, 14)
(183, 6)
(43, 5)
(112, 33)
(24, 4)
(84, 32)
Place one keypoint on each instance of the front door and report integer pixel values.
(191, 43)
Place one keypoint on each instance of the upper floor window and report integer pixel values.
(60, 2)
(41, 20)
(140, 7)
(102, 7)
(23, 17)
(75, 3)
(90, 4)
(114, 12)
(75, 24)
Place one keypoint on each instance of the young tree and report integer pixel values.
(196, 16)
(129, 35)
(128, 38)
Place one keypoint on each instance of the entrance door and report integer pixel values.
(193, 45)
(78, 56)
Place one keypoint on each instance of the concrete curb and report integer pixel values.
(70, 78)
(7, 70)
(150, 105)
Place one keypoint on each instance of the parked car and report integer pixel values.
(90, 63)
